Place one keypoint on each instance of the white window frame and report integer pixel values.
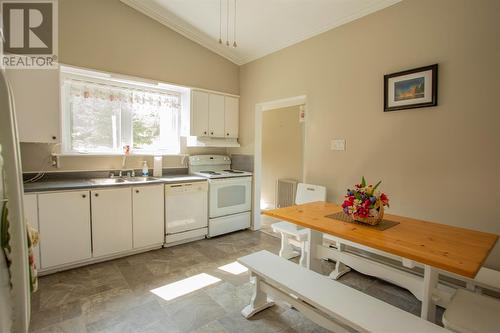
(120, 81)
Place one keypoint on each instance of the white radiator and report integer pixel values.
(285, 192)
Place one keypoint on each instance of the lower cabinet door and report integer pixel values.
(111, 221)
(148, 220)
(64, 221)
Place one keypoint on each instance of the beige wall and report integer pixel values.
(440, 164)
(281, 149)
(111, 36)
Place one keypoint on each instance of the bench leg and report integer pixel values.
(259, 300)
(315, 238)
(428, 311)
(286, 250)
(340, 268)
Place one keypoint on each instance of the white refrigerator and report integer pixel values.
(15, 301)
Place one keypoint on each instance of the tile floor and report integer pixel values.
(115, 296)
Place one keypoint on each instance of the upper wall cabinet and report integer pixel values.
(214, 115)
(36, 100)
(199, 113)
(231, 117)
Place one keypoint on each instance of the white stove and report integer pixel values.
(214, 166)
(222, 173)
(229, 196)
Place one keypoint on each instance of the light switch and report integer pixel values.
(337, 144)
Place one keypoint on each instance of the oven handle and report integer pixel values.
(235, 180)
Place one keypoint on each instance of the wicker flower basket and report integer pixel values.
(372, 220)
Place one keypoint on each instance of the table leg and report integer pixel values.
(340, 268)
(428, 311)
(314, 239)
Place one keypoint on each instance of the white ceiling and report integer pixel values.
(262, 26)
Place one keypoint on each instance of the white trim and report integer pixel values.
(259, 109)
(171, 21)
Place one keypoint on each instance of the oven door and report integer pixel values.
(230, 196)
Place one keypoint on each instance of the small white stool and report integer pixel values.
(470, 312)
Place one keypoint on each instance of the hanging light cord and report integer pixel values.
(227, 22)
(234, 26)
(220, 21)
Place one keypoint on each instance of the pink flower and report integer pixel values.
(384, 199)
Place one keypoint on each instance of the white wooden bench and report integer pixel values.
(329, 303)
(468, 311)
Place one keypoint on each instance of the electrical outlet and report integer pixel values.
(337, 144)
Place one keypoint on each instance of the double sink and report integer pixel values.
(122, 180)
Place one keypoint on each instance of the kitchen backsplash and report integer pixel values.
(37, 157)
(242, 162)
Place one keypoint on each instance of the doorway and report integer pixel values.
(293, 104)
(282, 150)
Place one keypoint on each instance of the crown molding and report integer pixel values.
(178, 25)
(173, 22)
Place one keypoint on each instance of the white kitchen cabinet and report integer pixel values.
(111, 221)
(64, 221)
(31, 216)
(199, 113)
(148, 219)
(216, 115)
(231, 116)
(36, 96)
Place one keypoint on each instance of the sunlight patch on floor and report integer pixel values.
(234, 268)
(183, 287)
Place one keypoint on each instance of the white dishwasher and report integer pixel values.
(186, 212)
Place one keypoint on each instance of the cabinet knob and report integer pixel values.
(212, 133)
(205, 132)
(227, 134)
(97, 194)
(136, 191)
(54, 137)
(84, 196)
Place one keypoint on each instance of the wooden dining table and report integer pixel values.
(436, 246)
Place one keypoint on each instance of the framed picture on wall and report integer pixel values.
(414, 88)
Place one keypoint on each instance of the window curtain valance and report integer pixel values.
(81, 91)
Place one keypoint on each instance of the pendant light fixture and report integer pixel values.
(234, 26)
(220, 21)
(227, 24)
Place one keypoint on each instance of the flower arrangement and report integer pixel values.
(365, 204)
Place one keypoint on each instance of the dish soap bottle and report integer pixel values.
(145, 169)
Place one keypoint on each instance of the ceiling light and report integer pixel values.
(234, 44)
(220, 21)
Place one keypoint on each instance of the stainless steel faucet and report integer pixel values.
(126, 173)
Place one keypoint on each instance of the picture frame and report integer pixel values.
(410, 89)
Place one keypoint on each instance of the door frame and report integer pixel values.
(260, 108)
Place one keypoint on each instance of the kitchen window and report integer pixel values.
(103, 116)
